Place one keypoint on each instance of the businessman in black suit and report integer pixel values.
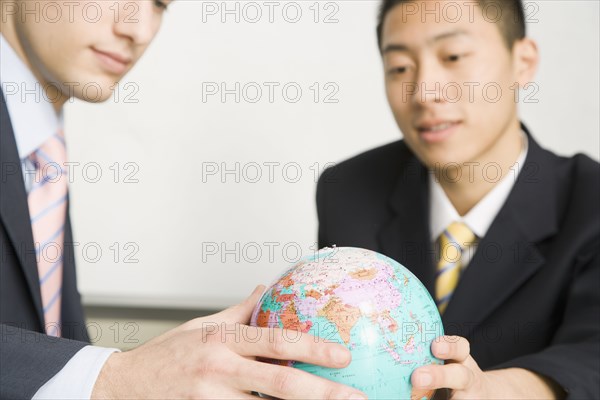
(524, 304)
(44, 349)
(21, 307)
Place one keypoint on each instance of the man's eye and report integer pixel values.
(161, 4)
(455, 57)
(397, 70)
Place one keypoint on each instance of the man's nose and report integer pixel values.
(137, 21)
(430, 84)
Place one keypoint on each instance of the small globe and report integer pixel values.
(366, 301)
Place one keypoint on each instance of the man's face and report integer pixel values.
(84, 45)
(450, 83)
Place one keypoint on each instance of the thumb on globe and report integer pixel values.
(242, 312)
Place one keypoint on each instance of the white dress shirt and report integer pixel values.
(479, 218)
(34, 121)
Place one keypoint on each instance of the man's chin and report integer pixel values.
(429, 157)
(440, 155)
(94, 97)
(95, 89)
(442, 160)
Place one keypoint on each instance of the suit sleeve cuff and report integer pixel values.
(77, 378)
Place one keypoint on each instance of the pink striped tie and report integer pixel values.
(47, 201)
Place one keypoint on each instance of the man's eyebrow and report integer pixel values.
(447, 35)
(394, 47)
(404, 48)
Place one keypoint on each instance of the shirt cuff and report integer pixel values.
(83, 368)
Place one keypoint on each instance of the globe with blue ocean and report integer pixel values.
(369, 303)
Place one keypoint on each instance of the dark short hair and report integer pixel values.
(511, 20)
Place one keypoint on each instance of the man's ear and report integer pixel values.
(525, 60)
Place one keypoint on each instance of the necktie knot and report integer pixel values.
(53, 149)
(49, 160)
(455, 238)
(460, 234)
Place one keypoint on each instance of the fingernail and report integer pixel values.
(424, 379)
(256, 289)
(340, 356)
(443, 349)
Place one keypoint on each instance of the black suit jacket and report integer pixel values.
(28, 358)
(530, 297)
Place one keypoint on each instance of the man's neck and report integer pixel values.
(480, 176)
(51, 91)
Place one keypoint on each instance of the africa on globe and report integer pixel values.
(366, 301)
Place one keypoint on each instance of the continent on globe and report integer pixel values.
(365, 301)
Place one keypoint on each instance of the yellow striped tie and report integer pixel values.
(452, 243)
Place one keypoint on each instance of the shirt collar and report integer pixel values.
(479, 218)
(32, 116)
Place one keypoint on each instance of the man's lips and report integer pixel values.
(113, 62)
(435, 131)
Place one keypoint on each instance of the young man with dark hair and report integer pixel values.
(503, 233)
(44, 346)
(508, 14)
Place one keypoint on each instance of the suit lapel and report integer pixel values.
(504, 260)
(14, 210)
(507, 256)
(406, 237)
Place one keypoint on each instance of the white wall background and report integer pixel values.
(172, 213)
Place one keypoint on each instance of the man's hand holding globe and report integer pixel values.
(385, 316)
(466, 380)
